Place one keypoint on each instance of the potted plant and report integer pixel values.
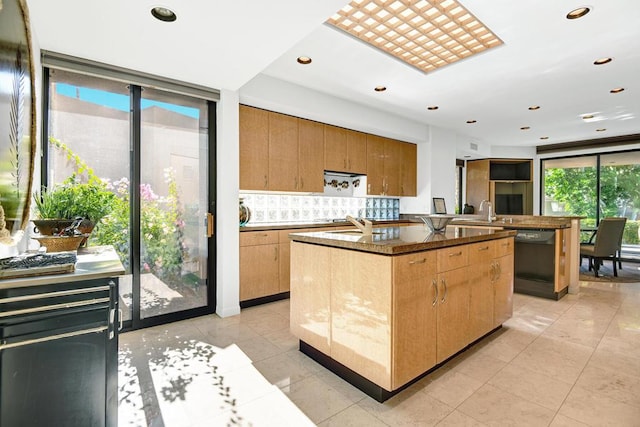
(62, 204)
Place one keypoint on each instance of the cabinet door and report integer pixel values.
(481, 290)
(503, 289)
(477, 182)
(285, 266)
(414, 316)
(310, 156)
(375, 165)
(453, 312)
(283, 152)
(356, 152)
(258, 271)
(408, 170)
(335, 149)
(311, 295)
(254, 148)
(392, 166)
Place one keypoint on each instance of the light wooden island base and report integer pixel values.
(383, 321)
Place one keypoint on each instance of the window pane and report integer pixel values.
(173, 203)
(620, 192)
(89, 135)
(570, 187)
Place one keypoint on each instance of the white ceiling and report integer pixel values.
(546, 60)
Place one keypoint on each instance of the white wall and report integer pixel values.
(227, 189)
(287, 98)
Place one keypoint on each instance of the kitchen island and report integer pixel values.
(385, 309)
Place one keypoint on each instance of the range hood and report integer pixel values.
(343, 184)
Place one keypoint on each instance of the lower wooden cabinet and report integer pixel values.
(503, 282)
(259, 264)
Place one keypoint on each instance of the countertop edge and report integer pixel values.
(398, 249)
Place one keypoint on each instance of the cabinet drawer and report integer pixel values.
(253, 238)
(413, 266)
(452, 258)
(503, 247)
(481, 252)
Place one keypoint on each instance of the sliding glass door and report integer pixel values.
(152, 150)
(595, 187)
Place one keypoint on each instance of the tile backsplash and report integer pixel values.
(267, 208)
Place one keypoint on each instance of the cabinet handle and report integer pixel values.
(295, 182)
(456, 254)
(444, 296)
(434, 283)
(301, 183)
(499, 269)
(421, 261)
(120, 319)
(369, 188)
(344, 163)
(485, 248)
(265, 182)
(275, 254)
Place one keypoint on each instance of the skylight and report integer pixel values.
(426, 34)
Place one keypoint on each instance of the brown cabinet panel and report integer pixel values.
(335, 148)
(310, 156)
(409, 170)
(356, 152)
(254, 148)
(392, 167)
(477, 182)
(259, 267)
(414, 316)
(503, 289)
(375, 165)
(453, 312)
(283, 152)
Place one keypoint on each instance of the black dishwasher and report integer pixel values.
(59, 354)
(534, 263)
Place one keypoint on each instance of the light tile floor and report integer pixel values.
(573, 362)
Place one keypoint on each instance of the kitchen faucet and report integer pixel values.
(490, 217)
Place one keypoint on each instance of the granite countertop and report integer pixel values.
(517, 221)
(401, 240)
(311, 224)
(95, 262)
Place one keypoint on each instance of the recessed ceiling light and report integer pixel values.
(425, 34)
(578, 13)
(534, 107)
(466, 156)
(380, 88)
(617, 90)
(432, 107)
(600, 130)
(304, 60)
(544, 137)
(471, 121)
(163, 14)
(587, 116)
(602, 61)
(525, 128)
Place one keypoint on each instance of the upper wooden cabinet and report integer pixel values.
(254, 148)
(285, 153)
(409, 170)
(391, 167)
(280, 152)
(344, 150)
(310, 156)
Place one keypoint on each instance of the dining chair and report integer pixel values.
(607, 243)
